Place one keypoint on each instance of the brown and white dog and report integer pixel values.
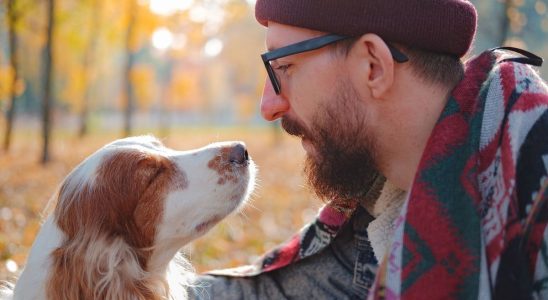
(122, 215)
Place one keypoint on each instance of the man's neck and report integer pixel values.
(413, 112)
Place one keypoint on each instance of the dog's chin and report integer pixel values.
(206, 225)
(233, 204)
(236, 203)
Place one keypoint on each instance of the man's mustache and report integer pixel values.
(293, 127)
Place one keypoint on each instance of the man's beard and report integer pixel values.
(343, 167)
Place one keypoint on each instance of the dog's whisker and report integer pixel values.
(243, 217)
(250, 205)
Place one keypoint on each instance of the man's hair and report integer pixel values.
(431, 67)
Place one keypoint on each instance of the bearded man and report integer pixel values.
(435, 171)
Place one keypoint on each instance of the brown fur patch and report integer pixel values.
(221, 164)
(125, 201)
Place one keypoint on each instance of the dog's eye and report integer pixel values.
(149, 169)
(157, 144)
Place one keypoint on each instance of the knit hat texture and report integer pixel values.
(442, 26)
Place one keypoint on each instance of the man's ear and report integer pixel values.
(376, 61)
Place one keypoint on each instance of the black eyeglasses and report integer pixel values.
(309, 45)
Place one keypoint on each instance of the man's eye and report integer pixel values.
(283, 68)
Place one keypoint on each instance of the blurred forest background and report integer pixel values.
(76, 74)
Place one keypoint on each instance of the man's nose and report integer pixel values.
(272, 106)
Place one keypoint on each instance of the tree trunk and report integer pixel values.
(129, 98)
(505, 22)
(12, 48)
(89, 69)
(165, 76)
(48, 75)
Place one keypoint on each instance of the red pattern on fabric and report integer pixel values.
(533, 101)
(448, 137)
(331, 217)
(429, 220)
(477, 71)
(508, 80)
(286, 255)
(469, 179)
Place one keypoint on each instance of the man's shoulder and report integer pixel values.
(514, 100)
(518, 75)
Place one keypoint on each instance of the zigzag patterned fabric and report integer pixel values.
(474, 225)
(310, 240)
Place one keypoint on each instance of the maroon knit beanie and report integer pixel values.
(442, 26)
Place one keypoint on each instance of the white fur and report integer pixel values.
(185, 209)
(38, 261)
(385, 210)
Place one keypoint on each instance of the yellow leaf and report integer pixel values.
(143, 83)
(31, 230)
(6, 79)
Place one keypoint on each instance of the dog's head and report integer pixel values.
(141, 190)
(150, 199)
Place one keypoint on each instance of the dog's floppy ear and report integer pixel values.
(105, 252)
(106, 201)
(98, 268)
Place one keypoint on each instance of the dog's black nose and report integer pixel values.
(238, 154)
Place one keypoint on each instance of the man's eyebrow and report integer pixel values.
(270, 48)
(273, 45)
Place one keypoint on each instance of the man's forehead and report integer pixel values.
(279, 35)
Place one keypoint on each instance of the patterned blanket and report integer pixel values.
(474, 224)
